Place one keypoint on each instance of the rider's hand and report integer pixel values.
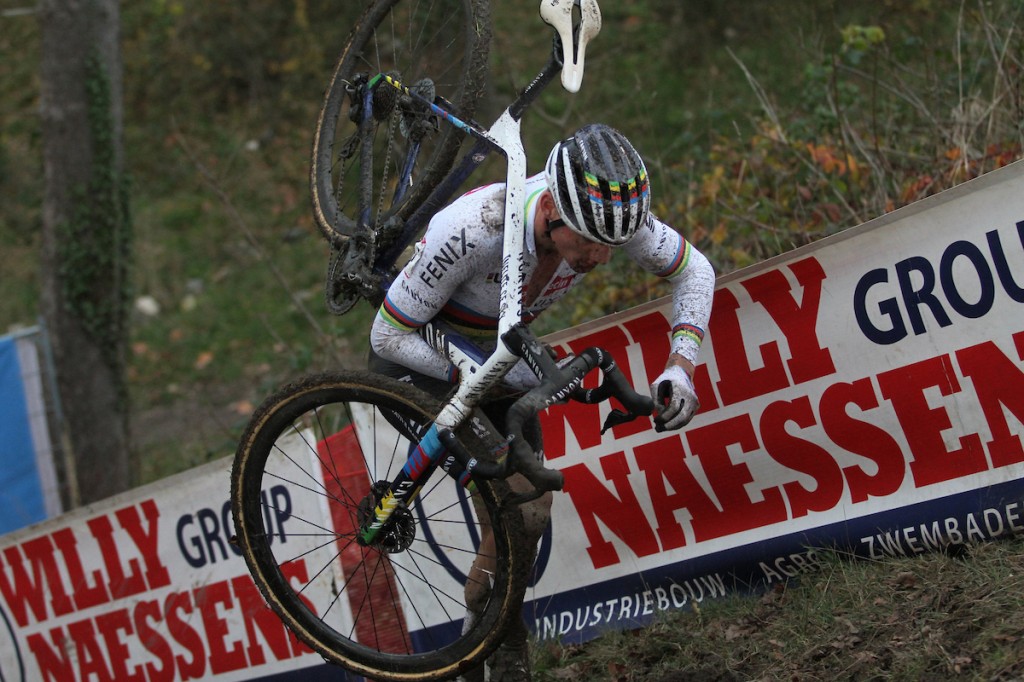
(675, 399)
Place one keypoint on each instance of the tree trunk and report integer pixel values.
(86, 230)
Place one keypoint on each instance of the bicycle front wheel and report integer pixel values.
(439, 49)
(308, 470)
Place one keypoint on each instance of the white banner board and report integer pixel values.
(865, 392)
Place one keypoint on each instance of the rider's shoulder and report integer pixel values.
(481, 209)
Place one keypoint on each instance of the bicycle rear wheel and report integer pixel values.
(303, 478)
(439, 49)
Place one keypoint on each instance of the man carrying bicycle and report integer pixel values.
(594, 195)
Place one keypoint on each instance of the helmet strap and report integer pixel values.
(552, 224)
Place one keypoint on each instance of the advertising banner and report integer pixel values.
(864, 393)
(147, 586)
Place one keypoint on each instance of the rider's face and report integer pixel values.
(580, 253)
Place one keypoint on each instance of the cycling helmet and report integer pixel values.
(599, 184)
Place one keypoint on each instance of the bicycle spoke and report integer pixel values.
(323, 463)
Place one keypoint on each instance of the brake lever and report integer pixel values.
(664, 399)
(617, 417)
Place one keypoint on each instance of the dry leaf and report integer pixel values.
(204, 359)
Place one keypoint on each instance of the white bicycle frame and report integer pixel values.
(477, 375)
(476, 378)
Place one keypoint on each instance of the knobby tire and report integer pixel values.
(293, 440)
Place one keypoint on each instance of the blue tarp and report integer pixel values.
(21, 491)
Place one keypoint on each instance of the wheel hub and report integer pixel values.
(399, 531)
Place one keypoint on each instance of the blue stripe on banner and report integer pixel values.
(632, 601)
(21, 494)
(635, 600)
(319, 673)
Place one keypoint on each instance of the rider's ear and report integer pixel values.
(547, 205)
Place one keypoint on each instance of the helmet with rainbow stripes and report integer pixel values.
(600, 184)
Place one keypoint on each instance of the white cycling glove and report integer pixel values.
(675, 399)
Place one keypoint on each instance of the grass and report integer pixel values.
(933, 617)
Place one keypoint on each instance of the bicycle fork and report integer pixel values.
(437, 447)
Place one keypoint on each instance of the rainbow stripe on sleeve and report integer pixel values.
(679, 262)
(688, 331)
(395, 317)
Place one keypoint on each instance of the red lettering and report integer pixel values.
(110, 625)
(652, 333)
(146, 611)
(664, 461)
(728, 480)
(257, 616)
(54, 661)
(86, 595)
(120, 584)
(91, 662)
(185, 635)
(29, 592)
(622, 515)
(555, 422)
(862, 438)
(705, 389)
(801, 456)
(798, 322)
(208, 599)
(738, 381)
(999, 383)
(145, 540)
(923, 425)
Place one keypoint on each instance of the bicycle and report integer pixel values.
(361, 449)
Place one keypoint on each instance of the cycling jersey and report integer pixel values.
(455, 276)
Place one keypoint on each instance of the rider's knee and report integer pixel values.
(536, 515)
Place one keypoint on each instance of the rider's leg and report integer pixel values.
(511, 662)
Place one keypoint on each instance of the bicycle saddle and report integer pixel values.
(559, 15)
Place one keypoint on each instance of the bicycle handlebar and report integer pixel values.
(562, 384)
(558, 384)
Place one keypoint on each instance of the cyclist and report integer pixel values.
(593, 195)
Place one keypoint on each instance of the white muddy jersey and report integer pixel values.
(455, 276)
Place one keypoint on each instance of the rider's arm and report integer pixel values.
(453, 252)
(663, 251)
